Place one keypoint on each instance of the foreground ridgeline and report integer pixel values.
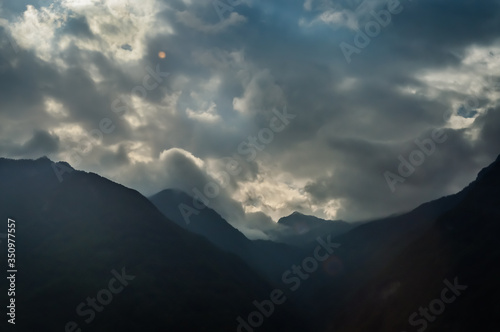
(87, 254)
(71, 234)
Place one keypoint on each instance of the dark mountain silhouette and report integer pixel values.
(71, 235)
(303, 229)
(396, 266)
(297, 219)
(267, 257)
(207, 222)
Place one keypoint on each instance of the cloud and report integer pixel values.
(40, 144)
(180, 169)
(190, 20)
(75, 59)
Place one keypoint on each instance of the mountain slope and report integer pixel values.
(207, 223)
(459, 246)
(269, 258)
(71, 236)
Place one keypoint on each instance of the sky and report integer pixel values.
(345, 110)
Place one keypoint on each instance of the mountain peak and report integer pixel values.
(296, 216)
(493, 167)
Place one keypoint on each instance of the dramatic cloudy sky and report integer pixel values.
(74, 69)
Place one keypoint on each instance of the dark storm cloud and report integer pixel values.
(115, 159)
(488, 124)
(226, 78)
(40, 144)
(358, 178)
(26, 87)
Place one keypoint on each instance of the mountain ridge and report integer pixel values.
(71, 234)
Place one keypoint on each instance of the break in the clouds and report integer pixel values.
(159, 94)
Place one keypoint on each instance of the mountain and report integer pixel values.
(434, 269)
(303, 229)
(87, 237)
(267, 257)
(365, 250)
(207, 222)
(299, 220)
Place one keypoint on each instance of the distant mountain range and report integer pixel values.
(202, 276)
(270, 259)
(303, 229)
